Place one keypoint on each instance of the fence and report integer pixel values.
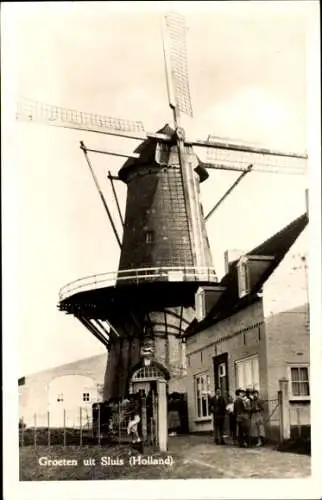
(272, 413)
(101, 424)
(108, 423)
(79, 426)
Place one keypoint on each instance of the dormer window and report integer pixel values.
(200, 304)
(243, 277)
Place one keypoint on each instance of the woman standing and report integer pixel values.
(257, 419)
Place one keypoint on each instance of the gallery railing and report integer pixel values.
(179, 273)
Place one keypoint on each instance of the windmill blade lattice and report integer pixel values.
(35, 111)
(177, 53)
(229, 159)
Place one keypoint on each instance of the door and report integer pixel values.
(221, 374)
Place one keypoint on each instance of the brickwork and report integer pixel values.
(155, 205)
(287, 343)
(241, 335)
(276, 328)
(157, 233)
(286, 311)
(167, 350)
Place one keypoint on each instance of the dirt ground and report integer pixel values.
(233, 462)
(191, 457)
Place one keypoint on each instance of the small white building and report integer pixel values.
(62, 395)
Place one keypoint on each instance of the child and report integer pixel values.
(135, 419)
(132, 428)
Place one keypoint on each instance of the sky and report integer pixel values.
(248, 78)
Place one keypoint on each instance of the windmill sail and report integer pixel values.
(235, 160)
(238, 157)
(177, 63)
(35, 111)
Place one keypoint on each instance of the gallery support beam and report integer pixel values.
(110, 177)
(237, 181)
(85, 321)
(84, 149)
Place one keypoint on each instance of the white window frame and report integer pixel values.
(89, 397)
(243, 277)
(296, 397)
(243, 360)
(206, 377)
(200, 304)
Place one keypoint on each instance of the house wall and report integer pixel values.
(275, 328)
(38, 395)
(241, 335)
(286, 311)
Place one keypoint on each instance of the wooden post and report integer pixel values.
(80, 427)
(144, 423)
(119, 421)
(162, 415)
(64, 422)
(99, 425)
(48, 428)
(284, 410)
(154, 420)
(35, 430)
(22, 434)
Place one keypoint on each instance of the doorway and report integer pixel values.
(148, 381)
(221, 377)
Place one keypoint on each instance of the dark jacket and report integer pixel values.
(242, 409)
(218, 407)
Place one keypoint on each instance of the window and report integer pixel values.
(149, 237)
(60, 398)
(243, 277)
(86, 397)
(200, 305)
(151, 372)
(247, 373)
(202, 395)
(300, 385)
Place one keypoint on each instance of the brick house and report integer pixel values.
(255, 332)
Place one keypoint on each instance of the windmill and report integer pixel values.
(140, 311)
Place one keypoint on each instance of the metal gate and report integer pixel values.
(111, 420)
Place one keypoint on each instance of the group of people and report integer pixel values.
(245, 414)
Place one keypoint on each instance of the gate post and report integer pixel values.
(144, 424)
(162, 415)
(284, 410)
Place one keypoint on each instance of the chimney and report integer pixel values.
(230, 256)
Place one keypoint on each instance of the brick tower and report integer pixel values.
(162, 264)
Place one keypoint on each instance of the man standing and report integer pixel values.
(218, 409)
